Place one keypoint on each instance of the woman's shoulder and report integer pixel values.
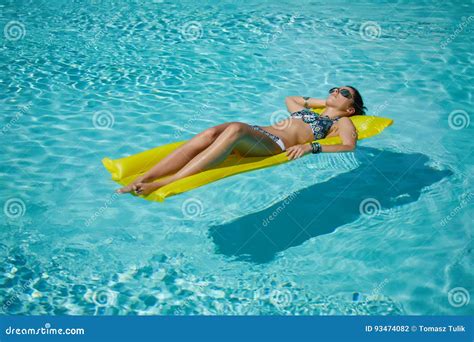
(345, 121)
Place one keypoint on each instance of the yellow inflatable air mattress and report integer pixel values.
(125, 170)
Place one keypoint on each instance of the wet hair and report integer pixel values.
(359, 107)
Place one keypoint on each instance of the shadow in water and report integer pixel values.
(393, 179)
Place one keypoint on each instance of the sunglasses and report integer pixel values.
(344, 92)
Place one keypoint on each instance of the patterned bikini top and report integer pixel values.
(320, 125)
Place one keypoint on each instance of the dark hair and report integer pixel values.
(358, 102)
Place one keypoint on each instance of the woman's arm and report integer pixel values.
(348, 135)
(295, 103)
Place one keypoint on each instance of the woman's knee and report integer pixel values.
(208, 135)
(236, 128)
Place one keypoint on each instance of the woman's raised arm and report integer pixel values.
(295, 103)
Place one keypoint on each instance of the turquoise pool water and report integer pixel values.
(384, 230)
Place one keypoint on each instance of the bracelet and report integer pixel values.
(315, 147)
(306, 98)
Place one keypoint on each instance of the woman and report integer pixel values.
(293, 135)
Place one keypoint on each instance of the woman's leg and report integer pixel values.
(179, 157)
(239, 136)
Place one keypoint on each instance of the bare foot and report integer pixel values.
(125, 189)
(147, 188)
(132, 186)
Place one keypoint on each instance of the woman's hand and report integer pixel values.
(297, 151)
